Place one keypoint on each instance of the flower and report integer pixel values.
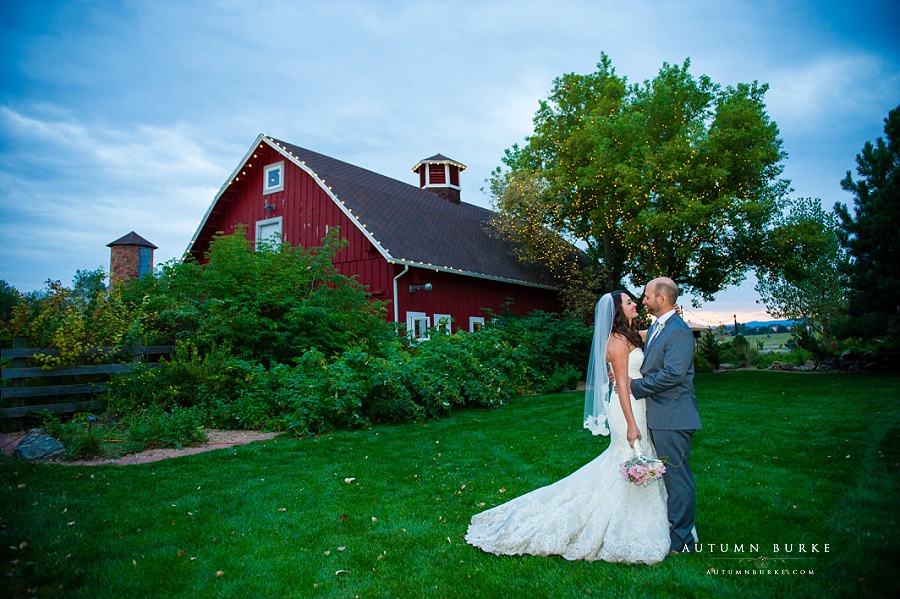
(641, 470)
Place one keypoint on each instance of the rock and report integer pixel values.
(779, 365)
(38, 445)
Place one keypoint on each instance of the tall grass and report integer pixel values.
(783, 459)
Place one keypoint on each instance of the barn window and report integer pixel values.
(417, 325)
(476, 323)
(268, 230)
(443, 322)
(273, 178)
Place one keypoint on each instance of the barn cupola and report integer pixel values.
(440, 176)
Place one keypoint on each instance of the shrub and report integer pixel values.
(701, 364)
(548, 340)
(155, 426)
(563, 378)
(709, 350)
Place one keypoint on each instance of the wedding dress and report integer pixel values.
(592, 514)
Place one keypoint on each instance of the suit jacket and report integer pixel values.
(668, 379)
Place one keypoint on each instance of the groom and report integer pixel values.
(672, 416)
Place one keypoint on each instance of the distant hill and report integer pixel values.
(757, 323)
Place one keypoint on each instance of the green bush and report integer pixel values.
(709, 351)
(154, 426)
(549, 341)
(563, 378)
(267, 304)
(701, 364)
(798, 357)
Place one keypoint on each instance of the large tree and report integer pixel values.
(871, 235)
(807, 285)
(677, 176)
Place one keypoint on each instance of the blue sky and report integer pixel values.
(120, 116)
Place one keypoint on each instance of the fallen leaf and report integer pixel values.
(181, 553)
(71, 524)
(374, 519)
(327, 553)
(219, 574)
(343, 517)
(134, 563)
(502, 490)
(342, 572)
(341, 548)
(349, 480)
(282, 509)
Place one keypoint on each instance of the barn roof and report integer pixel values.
(413, 226)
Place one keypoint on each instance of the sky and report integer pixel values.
(130, 115)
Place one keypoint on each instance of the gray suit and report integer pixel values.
(672, 417)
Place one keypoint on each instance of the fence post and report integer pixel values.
(15, 423)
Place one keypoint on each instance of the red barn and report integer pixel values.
(430, 255)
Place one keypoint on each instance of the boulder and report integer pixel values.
(38, 445)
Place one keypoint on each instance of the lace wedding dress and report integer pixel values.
(592, 514)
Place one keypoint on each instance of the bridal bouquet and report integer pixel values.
(641, 470)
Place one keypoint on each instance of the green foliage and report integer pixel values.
(155, 427)
(563, 378)
(709, 349)
(357, 388)
(795, 356)
(677, 176)
(549, 341)
(9, 298)
(75, 321)
(871, 236)
(808, 283)
(805, 338)
(738, 352)
(268, 305)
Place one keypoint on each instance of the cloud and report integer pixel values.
(71, 188)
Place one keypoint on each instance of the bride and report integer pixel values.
(593, 513)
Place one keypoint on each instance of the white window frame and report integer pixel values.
(260, 224)
(475, 320)
(267, 189)
(444, 321)
(418, 318)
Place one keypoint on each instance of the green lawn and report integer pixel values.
(774, 342)
(784, 459)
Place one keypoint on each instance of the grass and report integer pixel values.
(783, 459)
(774, 342)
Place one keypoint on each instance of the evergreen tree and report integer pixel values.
(871, 236)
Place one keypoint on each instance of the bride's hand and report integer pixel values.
(632, 434)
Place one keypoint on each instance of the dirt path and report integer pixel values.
(216, 439)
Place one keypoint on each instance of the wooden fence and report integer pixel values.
(20, 397)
